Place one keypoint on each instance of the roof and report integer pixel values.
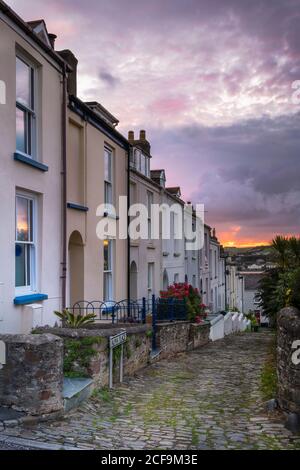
(175, 191)
(98, 121)
(27, 28)
(252, 280)
(157, 172)
(103, 112)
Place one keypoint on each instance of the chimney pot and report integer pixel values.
(130, 136)
(142, 135)
(52, 38)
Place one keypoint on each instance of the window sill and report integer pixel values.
(28, 299)
(77, 207)
(29, 161)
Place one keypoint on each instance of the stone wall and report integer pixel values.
(175, 337)
(86, 350)
(288, 371)
(32, 378)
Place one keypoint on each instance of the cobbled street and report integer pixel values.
(206, 399)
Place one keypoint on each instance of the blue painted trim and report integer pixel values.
(28, 299)
(29, 161)
(77, 207)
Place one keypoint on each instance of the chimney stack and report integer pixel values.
(142, 135)
(131, 136)
(69, 57)
(52, 38)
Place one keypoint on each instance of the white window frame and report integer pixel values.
(109, 272)
(150, 282)
(32, 287)
(150, 201)
(107, 182)
(30, 112)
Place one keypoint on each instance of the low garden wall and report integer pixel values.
(175, 337)
(217, 327)
(31, 379)
(86, 350)
(288, 359)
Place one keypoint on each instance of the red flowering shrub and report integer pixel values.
(185, 291)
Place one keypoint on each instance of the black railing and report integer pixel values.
(125, 311)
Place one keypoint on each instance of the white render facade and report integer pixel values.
(235, 289)
(30, 176)
(145, 254)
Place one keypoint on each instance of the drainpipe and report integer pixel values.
(225, 279)
(128, 222)
(64, 189)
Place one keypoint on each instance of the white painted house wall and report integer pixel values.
(45, 187)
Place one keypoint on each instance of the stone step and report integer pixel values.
(75, 391)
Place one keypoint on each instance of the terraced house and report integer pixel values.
(31, 156)
(97, 175)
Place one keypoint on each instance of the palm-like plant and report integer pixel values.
(294, 247)
(73, 320)
(280, 245)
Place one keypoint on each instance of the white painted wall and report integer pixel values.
(46, 186)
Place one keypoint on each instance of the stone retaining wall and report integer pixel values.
(176, 337)
(287, 368)
(32, 378)
(86, 350)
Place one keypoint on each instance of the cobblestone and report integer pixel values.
(205, 399)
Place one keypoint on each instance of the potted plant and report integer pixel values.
(254, 324)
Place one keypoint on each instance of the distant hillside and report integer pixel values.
(251, 258)
(253, 250)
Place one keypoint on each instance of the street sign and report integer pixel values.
(118, 339)
(115, 341)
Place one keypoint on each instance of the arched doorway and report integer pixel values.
(76, 268)
(133, 281)
(165, 280)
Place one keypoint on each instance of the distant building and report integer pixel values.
(252, 280)
(234, 288)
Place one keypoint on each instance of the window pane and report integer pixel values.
(23, 83)
(20, 266)
(108, 193)
(23, 230)
(107, 287)
(107, 165)
(107, 255)
(21, 130)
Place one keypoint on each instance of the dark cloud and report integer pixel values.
(108, 78)
(247, 174)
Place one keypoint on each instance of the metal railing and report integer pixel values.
(125, 311)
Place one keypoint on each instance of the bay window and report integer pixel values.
(25, 108)
(25, 244)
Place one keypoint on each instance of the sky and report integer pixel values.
(211, 83)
